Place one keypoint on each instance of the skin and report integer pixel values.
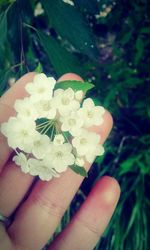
(38, 216)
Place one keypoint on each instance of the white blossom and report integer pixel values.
(41, 145)
(69, 2)
(65, 101)
(61, 157)
(92, 115)
(79, 95)
(72, 123)
(41, 87)
(25, 108)
(58, 140)
(86, 144)
(21, 160)
(44, 108)
(20, 133)
(41, 169)
(38, 9)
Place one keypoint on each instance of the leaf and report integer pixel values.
(3, 80)
(79, 170)
(39, 68)
(3, 28)
(140, 50)
(145, 30)
(75, 85)
(70, 25)
(62, 61)
(3, 37)
(87, 6)
(126, 38)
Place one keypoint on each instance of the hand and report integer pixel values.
(38, 216)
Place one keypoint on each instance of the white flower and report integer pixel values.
(20, 133)
(41, 169)
(92, 115)
(79, 95)
(38, 9)
(58, 140)
(97, 151)
(41, 87)
(86, 144)
(65, 101)
(41, 145)
(61, 157)
(21, 160)
(44, 108)
(72, 123)
(25, 108)
(69, 2)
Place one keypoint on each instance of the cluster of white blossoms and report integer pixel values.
(50, 131)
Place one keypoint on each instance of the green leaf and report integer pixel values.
(62, 61)
(87, 6)
(126, 37)
(3, 38)
(70, 25)
(139, 45)
(3, 80)
(79, 170)
(3, 28)
(145, 30)
(39, 68)
(75, 85)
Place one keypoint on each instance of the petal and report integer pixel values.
(88, 103)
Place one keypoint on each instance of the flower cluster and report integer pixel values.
(51, 129)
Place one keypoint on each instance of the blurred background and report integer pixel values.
(106, 42)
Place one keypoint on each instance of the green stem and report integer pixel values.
(53, 128)
(42, 124)
(50, 125)
(45, 127)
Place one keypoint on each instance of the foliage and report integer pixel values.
(106, 42)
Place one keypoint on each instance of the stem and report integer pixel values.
(53, 128)
(45, 127)
(42, 124)
(49, 126)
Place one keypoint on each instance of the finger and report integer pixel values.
(13, 185)
(6, 110)
(91, 220)
(46, 205)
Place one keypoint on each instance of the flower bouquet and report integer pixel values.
(51, 129)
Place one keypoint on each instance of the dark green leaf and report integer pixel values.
(3, 80)
(61, 59)
(140, 49)
(145, 30)
(87, 6)
(3, 37)
(3, 28)
(70, 24)
(75, 85)
(127, 36)
(79, 170)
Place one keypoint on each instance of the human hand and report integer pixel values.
(38, 216)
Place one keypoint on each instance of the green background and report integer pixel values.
(107, 43)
